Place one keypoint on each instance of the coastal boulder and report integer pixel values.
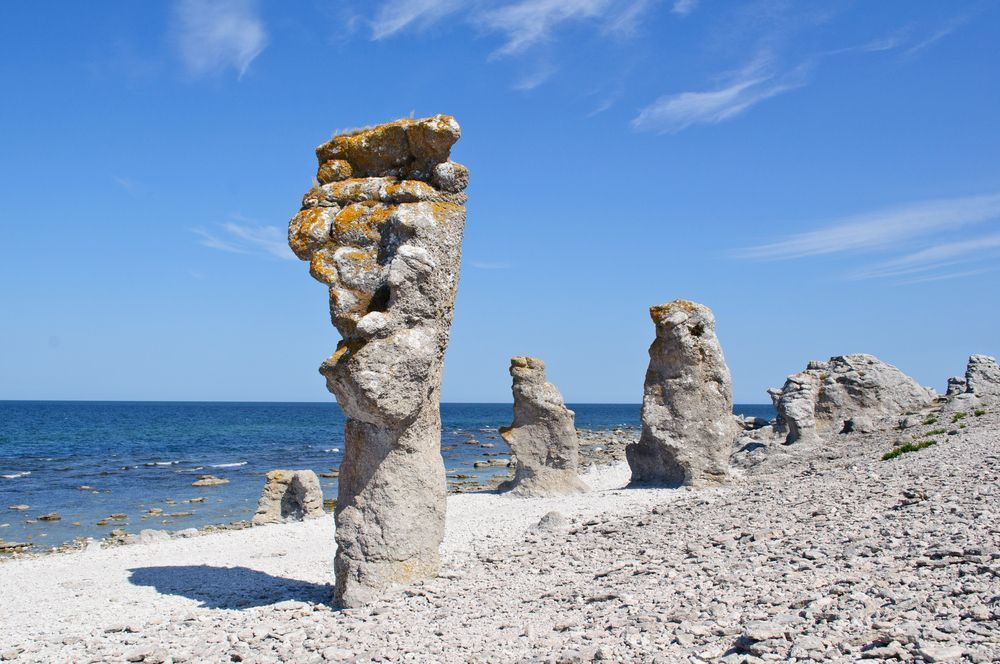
(542, 438)
(822, 399)
(289, 495)
(383, 231)
(688, 428)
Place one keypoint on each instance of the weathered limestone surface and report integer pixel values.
(982, 377)
(821, 399)
(383, 229)
(542, 437)
(956, 385)
(688, 428)
(289, 495)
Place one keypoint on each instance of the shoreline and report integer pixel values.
(597, 448)
(820, 551)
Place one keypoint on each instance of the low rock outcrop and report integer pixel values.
(383, 230)
(982, 377)
(289, 495)
(688, 428)
(542, 437)
(822, 399)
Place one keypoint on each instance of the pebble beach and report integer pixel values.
(814, 553)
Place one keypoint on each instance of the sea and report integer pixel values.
(88, 460)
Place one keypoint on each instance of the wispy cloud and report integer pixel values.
(246, 239)
(939, 34)
(684, 7)
(741, 91)
(214, 35)
(521, 24)
(541, 74)
(916, 241)
(126, 184)
(529, 22)
(937, 256)
(882, 228)
(397, 15)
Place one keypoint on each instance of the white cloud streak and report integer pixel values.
(684, 7)
(883, 228)
(522, 24)
(397, 15)
(214, 35)
(934, 257)
(245, 239)
(742, 91)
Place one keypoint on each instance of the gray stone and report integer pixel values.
(982, 376)
(149, 536)
(859, 424)
(688, 429)
(289, 495)
(819, 401)
(956, 385)
(553, 521)
(388, 245)
(542, 438)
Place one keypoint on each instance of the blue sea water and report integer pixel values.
(138, 456)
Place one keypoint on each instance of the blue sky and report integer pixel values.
(823, 175)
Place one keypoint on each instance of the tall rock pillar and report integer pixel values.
(542, 437)
(688, 428)
(383, 229)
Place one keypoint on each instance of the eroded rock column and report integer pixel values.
(688, 426)
(543, 436)
(383, 229)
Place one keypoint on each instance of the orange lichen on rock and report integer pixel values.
(309, 230)
(401, 148)
(659, 312)
(334, 170)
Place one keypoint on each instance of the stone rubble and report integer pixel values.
(383, 230)
(542, 437)
(688, 426)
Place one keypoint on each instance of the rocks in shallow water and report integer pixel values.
(20, 508)
(542, 437)
(52, 516)
(821, 399)
(289, 495)
(384, 232)
(209, 480)
(688, 428)
(982, 377)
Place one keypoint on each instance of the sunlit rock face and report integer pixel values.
(982, 377)
(383, 230)
(542, 437)
(822, 399)
(688, 428)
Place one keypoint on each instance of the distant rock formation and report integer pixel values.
(289, 495)
(383, 229)
(823, 398)
(688, 428)
(542, 437)
(956, 385)
(982, 377)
